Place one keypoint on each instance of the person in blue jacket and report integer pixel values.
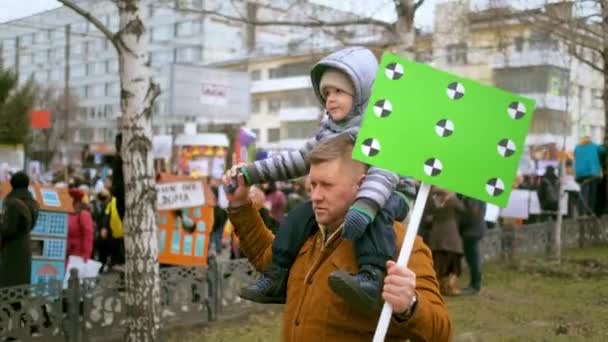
(588, 173)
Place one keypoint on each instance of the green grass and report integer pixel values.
(534, 300)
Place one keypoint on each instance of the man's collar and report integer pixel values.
(328, 233)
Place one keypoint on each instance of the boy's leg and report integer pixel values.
(293, 232)
(377, 245)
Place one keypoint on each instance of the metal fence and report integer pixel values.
(94, 309)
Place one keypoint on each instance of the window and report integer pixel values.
(424, 56)
(298, 99)
(80, 27)
(40, 57)
(274, 104)
(58, 53)
(290, 70)
(79, 92)
(78, 71)
(27, 39)
(112, 89)
(188, 55)
(542, 41)
(533, 80)
(58, 35)
(519, 44)
(256, 131)
(255, 105)
(77, 50)
(457, 53)
(25, 59)
(101, 68)
(40, 76)
(187, 28)
(56, 74)
(162, 33)
(108, 110)
(161, 57)
(41, 36)
(274, 134)
(256, 75)
(113, 66)
(301, 130)
(596, 97)
(114, 22)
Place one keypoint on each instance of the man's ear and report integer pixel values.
(361, 179)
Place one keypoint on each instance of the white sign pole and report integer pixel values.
(404, 255)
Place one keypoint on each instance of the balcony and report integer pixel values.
(530, 58)
(280, 84)
(299, 114)
(548, 101)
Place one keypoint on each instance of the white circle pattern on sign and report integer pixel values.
(516, 110)
(370, 147)
(394, 71)
(506, 147)
(383, 108)
(455, 90)
(495, 187)
(444, 128)
(433, 167)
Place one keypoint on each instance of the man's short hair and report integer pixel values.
(331, 149)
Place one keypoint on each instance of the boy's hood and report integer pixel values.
(359, 64)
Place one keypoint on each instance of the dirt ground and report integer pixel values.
(534, 300)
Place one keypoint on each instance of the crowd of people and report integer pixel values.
(330, 237)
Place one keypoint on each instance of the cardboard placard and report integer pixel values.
(179, 195)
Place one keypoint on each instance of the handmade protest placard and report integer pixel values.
(444, 130)
(179, 195)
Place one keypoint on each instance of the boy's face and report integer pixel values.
(338, 103)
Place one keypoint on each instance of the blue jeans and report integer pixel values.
(473, 258)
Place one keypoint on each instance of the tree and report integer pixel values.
(16, 103)
(400, 34)
(49, 141)
(137, 96)
(583, 27)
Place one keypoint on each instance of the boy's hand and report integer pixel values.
(240, 195)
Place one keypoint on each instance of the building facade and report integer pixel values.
(503, 47)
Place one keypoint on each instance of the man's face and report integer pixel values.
(333, 190)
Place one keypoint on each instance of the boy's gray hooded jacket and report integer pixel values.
(361, 66)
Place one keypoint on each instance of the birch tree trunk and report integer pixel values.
(136, 99)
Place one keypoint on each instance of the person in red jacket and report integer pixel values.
(80, 227)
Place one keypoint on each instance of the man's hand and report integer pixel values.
(240, 196)
(399, 287)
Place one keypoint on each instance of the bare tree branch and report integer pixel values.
(98, 24)
(418, 4)
(312, 23)
(583, 59)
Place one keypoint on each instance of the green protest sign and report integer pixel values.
(444, 130)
